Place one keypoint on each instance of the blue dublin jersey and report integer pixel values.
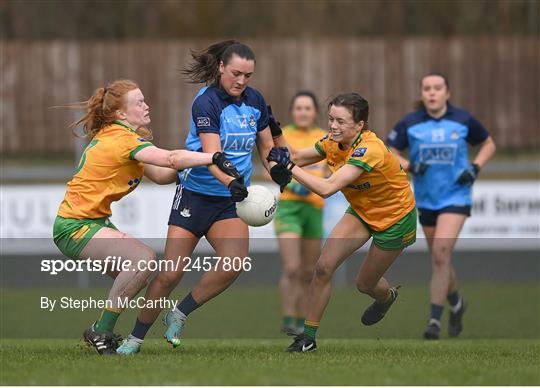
(442, 144)
(236, 122)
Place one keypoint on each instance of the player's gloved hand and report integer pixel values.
(281, 175)
(225, 165)
(298, 188)
(280, 155)
(275, 126)
(238, 190)
(468, 176)
(281, 172)
(418, 169)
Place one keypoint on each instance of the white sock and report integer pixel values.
(456, 308)
(138, 340)
(178, 312)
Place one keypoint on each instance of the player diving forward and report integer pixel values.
(381, 206)
(113, 164)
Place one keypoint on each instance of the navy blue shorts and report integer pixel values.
(428, 217)
(197, 212)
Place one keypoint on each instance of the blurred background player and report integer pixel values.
(437, 136)
(299, 218)
(227, 116)
(113, 164)
(381, 206)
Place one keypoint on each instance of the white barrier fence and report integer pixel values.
(506, 215)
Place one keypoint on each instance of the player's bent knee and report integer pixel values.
(148, 254)
(323, 271)
(168, 280)
(306, 275)
(291, 272)
(440, 260)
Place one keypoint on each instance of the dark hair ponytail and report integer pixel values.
(354, 103)
(205, 65)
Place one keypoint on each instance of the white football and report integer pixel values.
(259, 207)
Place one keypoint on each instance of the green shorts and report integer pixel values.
(299, 217)
(398, 236)
(71, 235)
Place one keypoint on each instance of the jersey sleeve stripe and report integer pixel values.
(360, 164)
(319, 149)
(207, 130)
(137, 149)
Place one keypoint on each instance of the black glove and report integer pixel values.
(275, 126)
(238, 191)
(468, 176)
(418, 169)
(280, 155)
(281, 175)
(225, 165)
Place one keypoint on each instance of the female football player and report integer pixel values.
(437, 135)
(381, 207)
(299, 218)
(113, 164)
(228, 116)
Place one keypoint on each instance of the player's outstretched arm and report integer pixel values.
(160, 175)
(176, 159)
(325, 187)
(182, 159)
(306, 156)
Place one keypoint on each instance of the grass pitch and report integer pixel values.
(235, 340)
(262, 362)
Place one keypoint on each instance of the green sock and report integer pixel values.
(300, 322)
(106, 321)
(310, 328)
(288, 321)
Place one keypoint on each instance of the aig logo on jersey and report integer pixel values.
(203, 121)
(359, 152)
(438, 154)
(239, 143)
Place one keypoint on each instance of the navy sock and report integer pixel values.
(453, 298)
(140, 329)
(187, 305)
(436, 311)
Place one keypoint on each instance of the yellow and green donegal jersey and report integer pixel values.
(297, 140)
(382, 195)
(107, 172)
